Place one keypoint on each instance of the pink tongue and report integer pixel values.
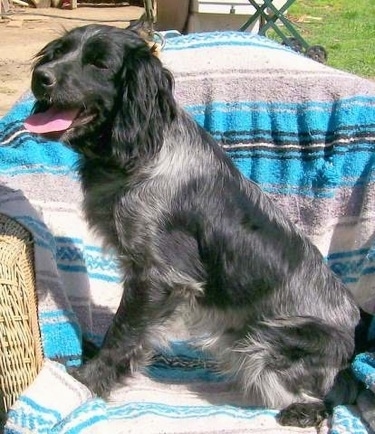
(50, 121)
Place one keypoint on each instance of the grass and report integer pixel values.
(345, 28)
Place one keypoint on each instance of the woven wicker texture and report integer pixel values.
(20, 344)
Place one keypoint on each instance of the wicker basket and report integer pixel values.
(20, 344)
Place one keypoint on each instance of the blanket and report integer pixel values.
(303, 131)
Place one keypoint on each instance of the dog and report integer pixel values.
(193, 236)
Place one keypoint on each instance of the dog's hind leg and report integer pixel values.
(289, 364)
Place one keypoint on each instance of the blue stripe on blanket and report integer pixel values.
(42, 157)
(39, 408)
(283, 117)
(364, 368)
(133, 410)
(86, 416)
(320, 179)
(41, 234)
(37, 416)
(75, 256)
(370, 252)
(213, 39)
(346, 420)
(57, 327)
(188, 372)
(352, 280)
(350, 265)
(92, 275)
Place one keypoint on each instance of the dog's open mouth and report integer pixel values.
(56, 120)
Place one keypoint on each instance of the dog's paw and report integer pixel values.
(303, 414)
(94, 378)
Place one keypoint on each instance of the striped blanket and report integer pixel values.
(303, 131)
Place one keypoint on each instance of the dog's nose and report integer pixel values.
(43, 82)
(44, 77)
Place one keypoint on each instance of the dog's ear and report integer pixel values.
(147, 105)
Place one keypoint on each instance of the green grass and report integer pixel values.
(345, 28)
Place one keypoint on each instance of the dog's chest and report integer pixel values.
(103, 191)
(119, 208)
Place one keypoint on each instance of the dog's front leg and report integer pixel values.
(126, 347)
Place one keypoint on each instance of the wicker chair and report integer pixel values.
(20, 344)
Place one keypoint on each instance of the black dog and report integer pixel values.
(192, 234)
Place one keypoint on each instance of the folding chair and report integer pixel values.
(4, 7)
(269, 14)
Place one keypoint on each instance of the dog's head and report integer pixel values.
(98, 87)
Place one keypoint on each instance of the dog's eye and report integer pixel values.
(58, 52)
(98, 63)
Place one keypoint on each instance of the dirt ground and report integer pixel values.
(27, 30)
